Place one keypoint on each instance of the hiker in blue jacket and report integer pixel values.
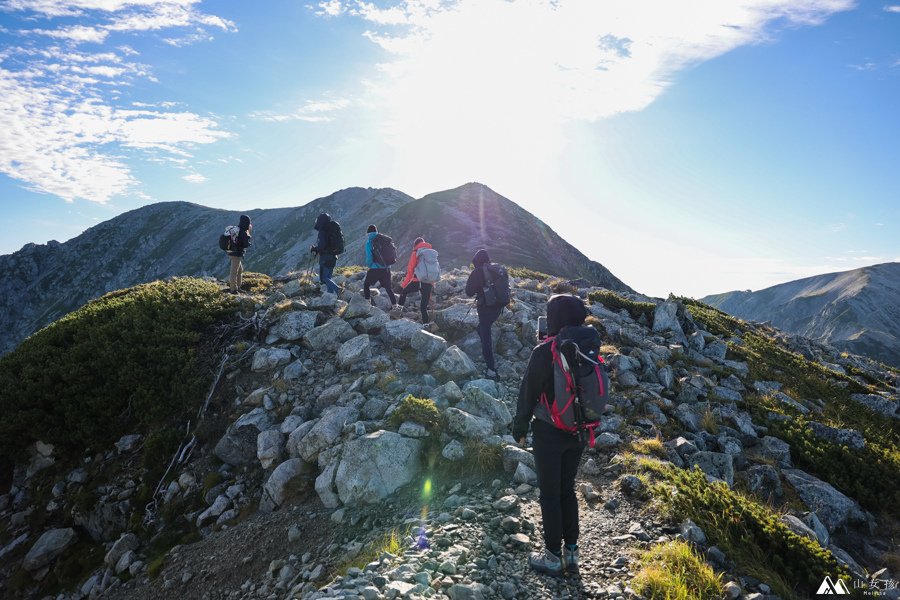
(327, 257)
(556, 452)
(377, 273)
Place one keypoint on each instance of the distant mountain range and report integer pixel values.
(45, 281)
(857, 311)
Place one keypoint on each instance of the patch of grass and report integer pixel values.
(708, 421)
(393, 541)
(420, 410)
(255, 283)
(649, 446)
(714, 320)
(349, 270)
(674, 571)
(557, 285)
(615, 302)
(750, 533)
(525, 273)
(129, 361)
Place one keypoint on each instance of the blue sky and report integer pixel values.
(691, 147)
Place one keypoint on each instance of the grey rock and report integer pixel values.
(455, 363)
(326, 431)
(631, 484)
(238, 446)
(220, 505)
(325, 486)
(266, 359)
(296, 436)
(776, 450)
(692, 533)
(374, 466)
(833, 508)
(763, 480)
(48, 548)
(358, 307)
(513, 455)
(606, 441)
(399, 333)
(799, 527)
(412, 430)
(354, 351)
(524, 474)
(879, 404)
(459, 317)
(688, 416)
(468, 425)
(813, 522)
(329, 336)
(841, 437)
(477, 402)
(286, 478)
(126, 542)
(125, 561)
(714, 464)
(427, 345)
(269, 447)
(294, 325)
(294, 371)
(665, 319)
(128, 443)
(453, 451)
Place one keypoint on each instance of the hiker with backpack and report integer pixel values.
(329, 243)
(422, 272)
(381, 253)
(236, 244)
(489, 283)
(562, 395)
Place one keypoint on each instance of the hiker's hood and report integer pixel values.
(481, 258)
(321, 221)
(421, 245)
(371, 235)
(586, 337)
(244, 222)
(564, 310)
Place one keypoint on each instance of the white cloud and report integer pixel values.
(330, 8)
(893, 8)
(65, 129)
(313, 111)
(480, 82)
(195, 178)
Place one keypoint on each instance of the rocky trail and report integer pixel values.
(350, 452)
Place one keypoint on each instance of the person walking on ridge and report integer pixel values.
(489, 309)
(557, 452)
(379, 264)
(236, 252)
(420, 277)
(329, 243)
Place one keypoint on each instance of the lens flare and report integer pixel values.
(426, 490)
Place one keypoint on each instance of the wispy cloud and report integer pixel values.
(330, 8)
(313, 111)
(65, 129)
(892, 8)
(491, 78)
(194, 178)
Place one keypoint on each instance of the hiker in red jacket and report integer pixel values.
(422, 272)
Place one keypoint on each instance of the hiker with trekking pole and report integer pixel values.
(329, 243)
(562, 397)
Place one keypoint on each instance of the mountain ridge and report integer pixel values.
(856, 310)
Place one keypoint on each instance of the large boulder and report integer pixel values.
(714, 464)
(833, 508)
(372, 467)
(287, 477)
(482, 404)
(329, 336)
(398, 334)
(468, 425)
(238, 446)
(455, 363)
(294, 325)
(841, 437)
(48, 547)
(458, 316)
(266, 359)
(354, 351)
(879, 404)
(427, 345)
(359, 307)
(665, 318)
(326, 431)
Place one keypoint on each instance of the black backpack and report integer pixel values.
(384, 252)
(229, 239)
(335, 238)
(496, 290)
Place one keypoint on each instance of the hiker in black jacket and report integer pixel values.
(556, 452)
(327, 259)
(486, 314)
(237, 251)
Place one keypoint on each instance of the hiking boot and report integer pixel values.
(490, 373)
(570, 558)
(546, 562)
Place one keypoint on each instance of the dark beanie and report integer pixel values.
(481, 258)
(371, 229)
(564, 310)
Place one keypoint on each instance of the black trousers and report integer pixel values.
(415, 286)
(382, 276)
(556, 458)
(486, 317)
